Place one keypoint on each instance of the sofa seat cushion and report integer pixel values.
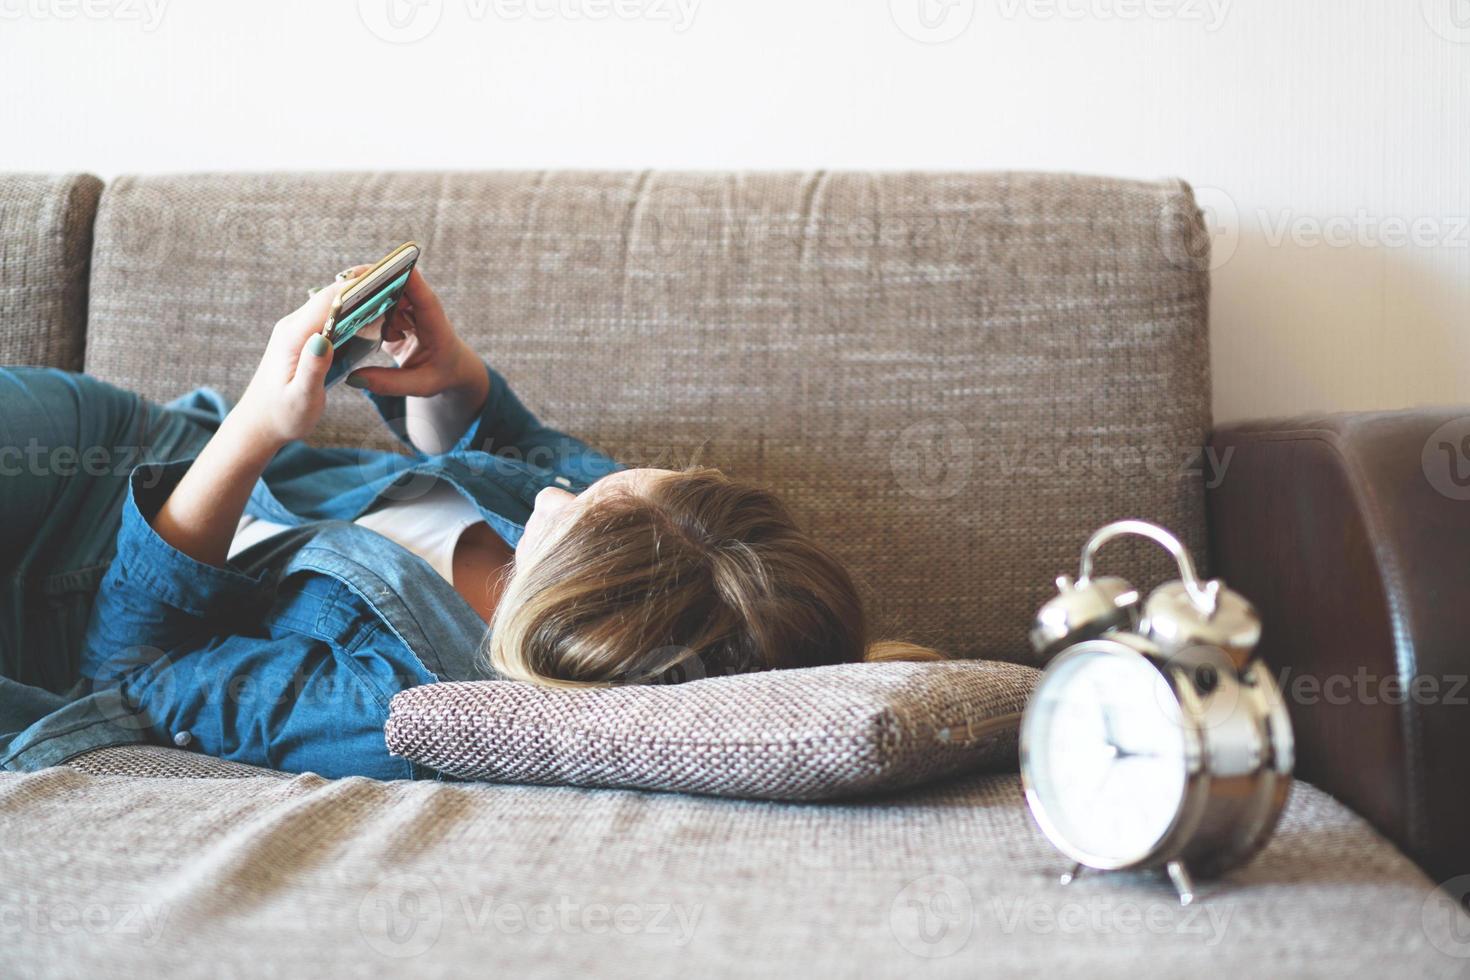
(160, 761)
(311, 877)
(816, 733)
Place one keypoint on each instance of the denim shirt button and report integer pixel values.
(182, 739)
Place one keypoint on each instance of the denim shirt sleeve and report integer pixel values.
(507, 428)
(155, 596)
(189, 647)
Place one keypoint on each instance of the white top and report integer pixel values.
(429, 526)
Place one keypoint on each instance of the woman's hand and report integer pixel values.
(445, 383)
(285, 398)
(431, 357)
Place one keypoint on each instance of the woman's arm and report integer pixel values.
(283, 401)
(442, 396)
(200, 517)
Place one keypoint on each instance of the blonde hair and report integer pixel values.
(691, 575)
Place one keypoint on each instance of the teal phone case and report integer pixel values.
(347, 328)
(352, 348)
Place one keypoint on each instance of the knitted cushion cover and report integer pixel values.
(807, 734)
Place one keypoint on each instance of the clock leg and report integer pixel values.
(1070, 876)
(1183, 883)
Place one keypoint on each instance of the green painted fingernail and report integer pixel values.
(353, 381)
(317, 345)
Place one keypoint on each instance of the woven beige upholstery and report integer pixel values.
(952, 378)
(784, 735)
(45, 247)
(157, 761)
(309, 877)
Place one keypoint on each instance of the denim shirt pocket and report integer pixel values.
(330, 611)
(434, 627)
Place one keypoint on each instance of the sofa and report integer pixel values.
(953, 378)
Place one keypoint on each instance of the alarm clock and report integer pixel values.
(1155, 739)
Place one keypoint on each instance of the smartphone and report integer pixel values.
(354, 326)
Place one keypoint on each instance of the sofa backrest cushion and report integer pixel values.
(953, 378)
(45, 247)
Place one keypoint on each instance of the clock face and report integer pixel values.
(1105, 755)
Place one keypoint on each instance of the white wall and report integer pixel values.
(1328, 137)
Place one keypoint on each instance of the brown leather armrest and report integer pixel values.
(1351, 534)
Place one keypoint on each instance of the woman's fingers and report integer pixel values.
(419, 313)
(400, 322)
(420, 382)
(312, 364)
(422, 298)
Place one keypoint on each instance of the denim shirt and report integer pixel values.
(288, 656)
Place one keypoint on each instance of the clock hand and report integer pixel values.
(1110, 736)
(1116, 754)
